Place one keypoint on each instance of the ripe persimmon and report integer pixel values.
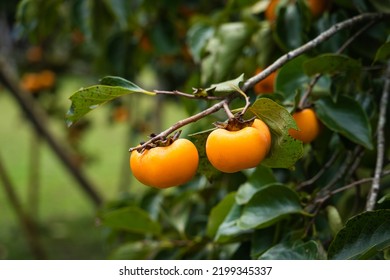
(308, 124)
(263, 128)
(232, 151)
(266, 85)
(270, 12)
(47, 79)
(34, 82)
(317, 7)
(165, 166)
(30, 82)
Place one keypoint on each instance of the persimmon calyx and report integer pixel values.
(159, 142)
(235, 124)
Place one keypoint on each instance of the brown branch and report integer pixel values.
(257, 78)
(319, 173)
(38, 118)
(371, 200)
(328, 195)
(227, 110)
(29, 227)
(302, 102)
(187, 95)
(311, 45)
(216, 107)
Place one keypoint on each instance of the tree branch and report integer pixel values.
(37, 117)
(311, 45)
(216, 107)
(187, 95)
(302, 102)
(371, 200)
(257, 78)
(28, 225)
(328, 195)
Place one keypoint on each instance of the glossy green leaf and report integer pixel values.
(87, 99)
(291, 78)
(132, 219)
(332, 64)
(219, 213)
(257, 180)
(296, 251)
(269, 205)
(223, 50)
(383, 52)
(227, 86)
(229, 230)
(346, 117)
(362, 237)
(285, 150)
(290, 18)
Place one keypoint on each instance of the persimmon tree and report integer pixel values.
(325, 198)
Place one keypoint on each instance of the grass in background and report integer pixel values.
(65, 214)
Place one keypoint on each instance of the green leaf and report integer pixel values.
(362, 237)
(381, 6)
(223, 50)
(291, 78)
(120, 9)
(197, 38)
(87, 99)
(132, 219)
(384, 198)
(332, 64)
(229, 230)
(285, 150)
(227, 86)
(383, 52)
(219, 213)
(334, 219)
(135, 251)
(257, 180)
(296, 251)
(269, 205)
(290, 26)
(346, 117)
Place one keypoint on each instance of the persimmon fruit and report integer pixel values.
(165, 166)
(316, 7)
(308, 124)
(266, 85)
(232, 151)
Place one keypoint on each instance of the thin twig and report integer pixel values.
(319, 173)
(302, 101)
(266, 72)
(216, 107)
(187, 95)
(227, 110)
(371, 200)
(346, 187)
(310, 45)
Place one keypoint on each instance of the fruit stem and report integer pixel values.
(227, 110)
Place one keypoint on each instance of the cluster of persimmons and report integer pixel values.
(232, 147)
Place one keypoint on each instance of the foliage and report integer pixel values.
(291, 205)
